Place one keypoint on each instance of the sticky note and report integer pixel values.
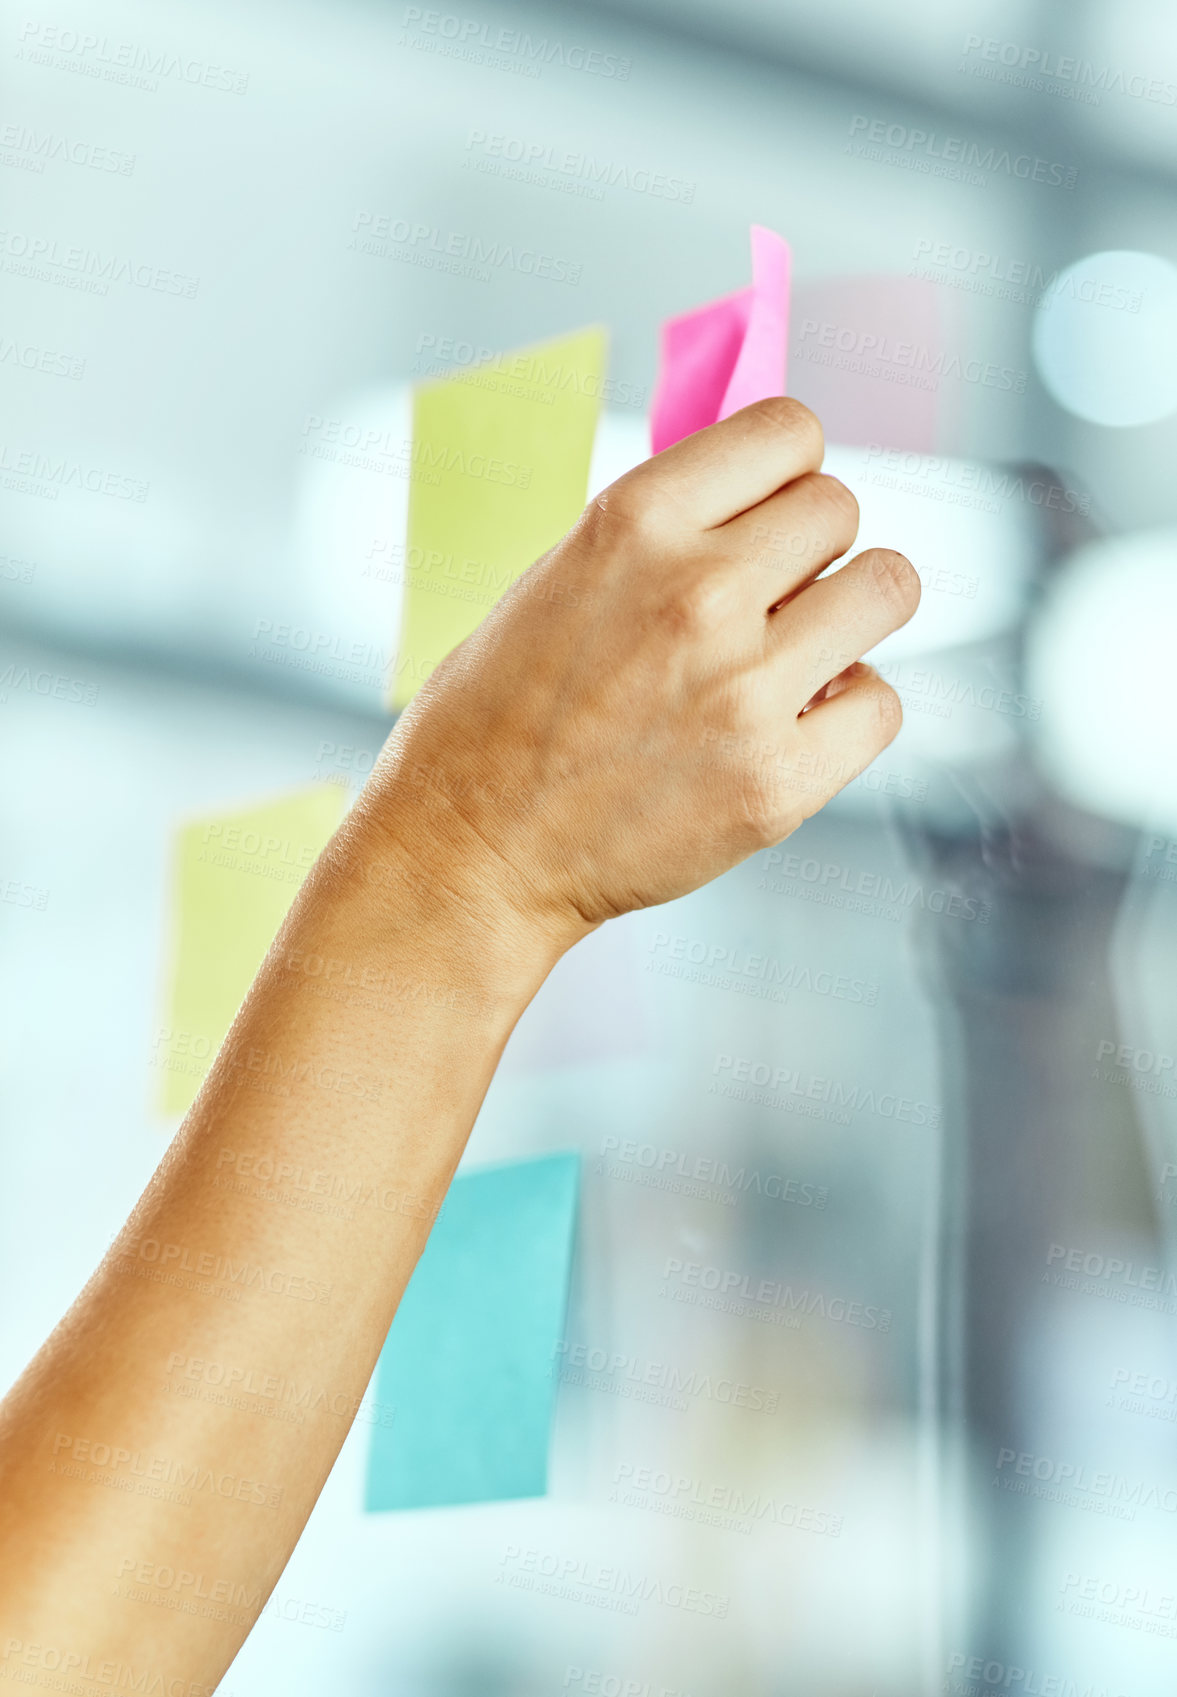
(234, 878)
(468, 1366)
(499, 472)
(723, 356)
(873, 357)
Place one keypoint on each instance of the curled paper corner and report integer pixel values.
(720, 357)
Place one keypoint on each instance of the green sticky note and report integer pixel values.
(234, 878)
(468, 1366)
(499, 472)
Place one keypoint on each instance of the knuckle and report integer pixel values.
(843, 500)
(896, 580)
(698, 607)
(795, 419)
(761, 815)
(886, 710)
(621, 503)
(627, 508)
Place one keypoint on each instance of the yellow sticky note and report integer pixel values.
(234, 878)
(499, 472)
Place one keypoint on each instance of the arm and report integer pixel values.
(666, 692)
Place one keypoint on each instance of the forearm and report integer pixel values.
(563, 770)
(353, 1074)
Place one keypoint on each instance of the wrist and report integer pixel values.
(417, 885)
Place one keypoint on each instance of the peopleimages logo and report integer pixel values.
(1136, 1606)
(87, 1459)
(1020, 279)
(596, 1682)
(1138, 1391)
(54, 684)
(703, 1175)
(731, 1289)
(925, 150)
(729, 1507)
(126, 62)
(613, 1370)
(733, 968)
(923, 691)
(192, 1376)
(107, 1672)
(531, 370)
(88, 268)
(164, 1577)
(970, 1676)
(1159, 859)
(48, 361)
(1083, 77)
(970, 479)
(1128, 1276)
(780, 1082)
(829, 881)
(504, 155)
(34, 150)
(848, 347)
(579, 1580)
(483, 43)
(48, 475)
(382, 236)
(1112, 1491)
(220, 1269)
(1136, 1068)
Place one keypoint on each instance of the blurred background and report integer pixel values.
(231, 240)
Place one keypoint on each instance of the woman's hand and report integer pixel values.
(626, 724)
(631, 719)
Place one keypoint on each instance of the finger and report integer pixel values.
(843, 734)
(838, 684)
(782, 544)
(707, 478)
(841, 617)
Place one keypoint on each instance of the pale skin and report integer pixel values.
(672, 688)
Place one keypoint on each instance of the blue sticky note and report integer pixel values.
(468, 1363)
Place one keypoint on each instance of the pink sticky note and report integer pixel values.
(873, 358)
(725, 355)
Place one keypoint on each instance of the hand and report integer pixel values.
(673, 687)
